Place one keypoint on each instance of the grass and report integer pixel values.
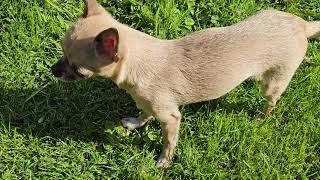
(55, 130)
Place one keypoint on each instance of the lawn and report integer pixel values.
(56, 130)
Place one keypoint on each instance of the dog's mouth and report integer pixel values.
(72, 77)
(76, 73)
(70, 73)
(68, 77)
(83, 73)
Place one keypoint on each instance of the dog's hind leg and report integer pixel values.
(274, 83)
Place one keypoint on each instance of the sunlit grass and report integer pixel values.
(50, 129)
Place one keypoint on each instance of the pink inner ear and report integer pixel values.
(109, 45)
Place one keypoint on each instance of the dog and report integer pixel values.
(161, 75)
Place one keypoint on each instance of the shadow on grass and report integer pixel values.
(82, 110)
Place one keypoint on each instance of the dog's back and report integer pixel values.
(212, 62)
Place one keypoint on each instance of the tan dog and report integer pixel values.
(160, 75)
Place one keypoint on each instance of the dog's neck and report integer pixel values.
(139, 59)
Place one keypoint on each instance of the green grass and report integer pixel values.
(55, 130)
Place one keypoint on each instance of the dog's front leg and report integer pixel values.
(132, 123)
(170, 124)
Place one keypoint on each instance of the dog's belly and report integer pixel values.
(212, 86)
(207, 94)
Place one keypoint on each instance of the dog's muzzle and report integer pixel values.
(58, 69)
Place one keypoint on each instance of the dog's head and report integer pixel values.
(90, 46)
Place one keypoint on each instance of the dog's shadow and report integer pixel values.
(82, 110)
(86, 111)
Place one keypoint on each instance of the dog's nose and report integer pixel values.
(56, 71)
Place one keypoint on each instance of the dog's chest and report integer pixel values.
(142, 102)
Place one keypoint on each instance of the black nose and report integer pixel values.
(56, 71)
(58, 68)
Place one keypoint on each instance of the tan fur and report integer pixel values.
(160, 75)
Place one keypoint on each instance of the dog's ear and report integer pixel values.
(92, 8)
(106, 44)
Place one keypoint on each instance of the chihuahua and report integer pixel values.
(161, 75)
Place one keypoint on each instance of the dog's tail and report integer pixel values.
(313, 29)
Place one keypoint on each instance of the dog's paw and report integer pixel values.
(163, 163)
(131, 123)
